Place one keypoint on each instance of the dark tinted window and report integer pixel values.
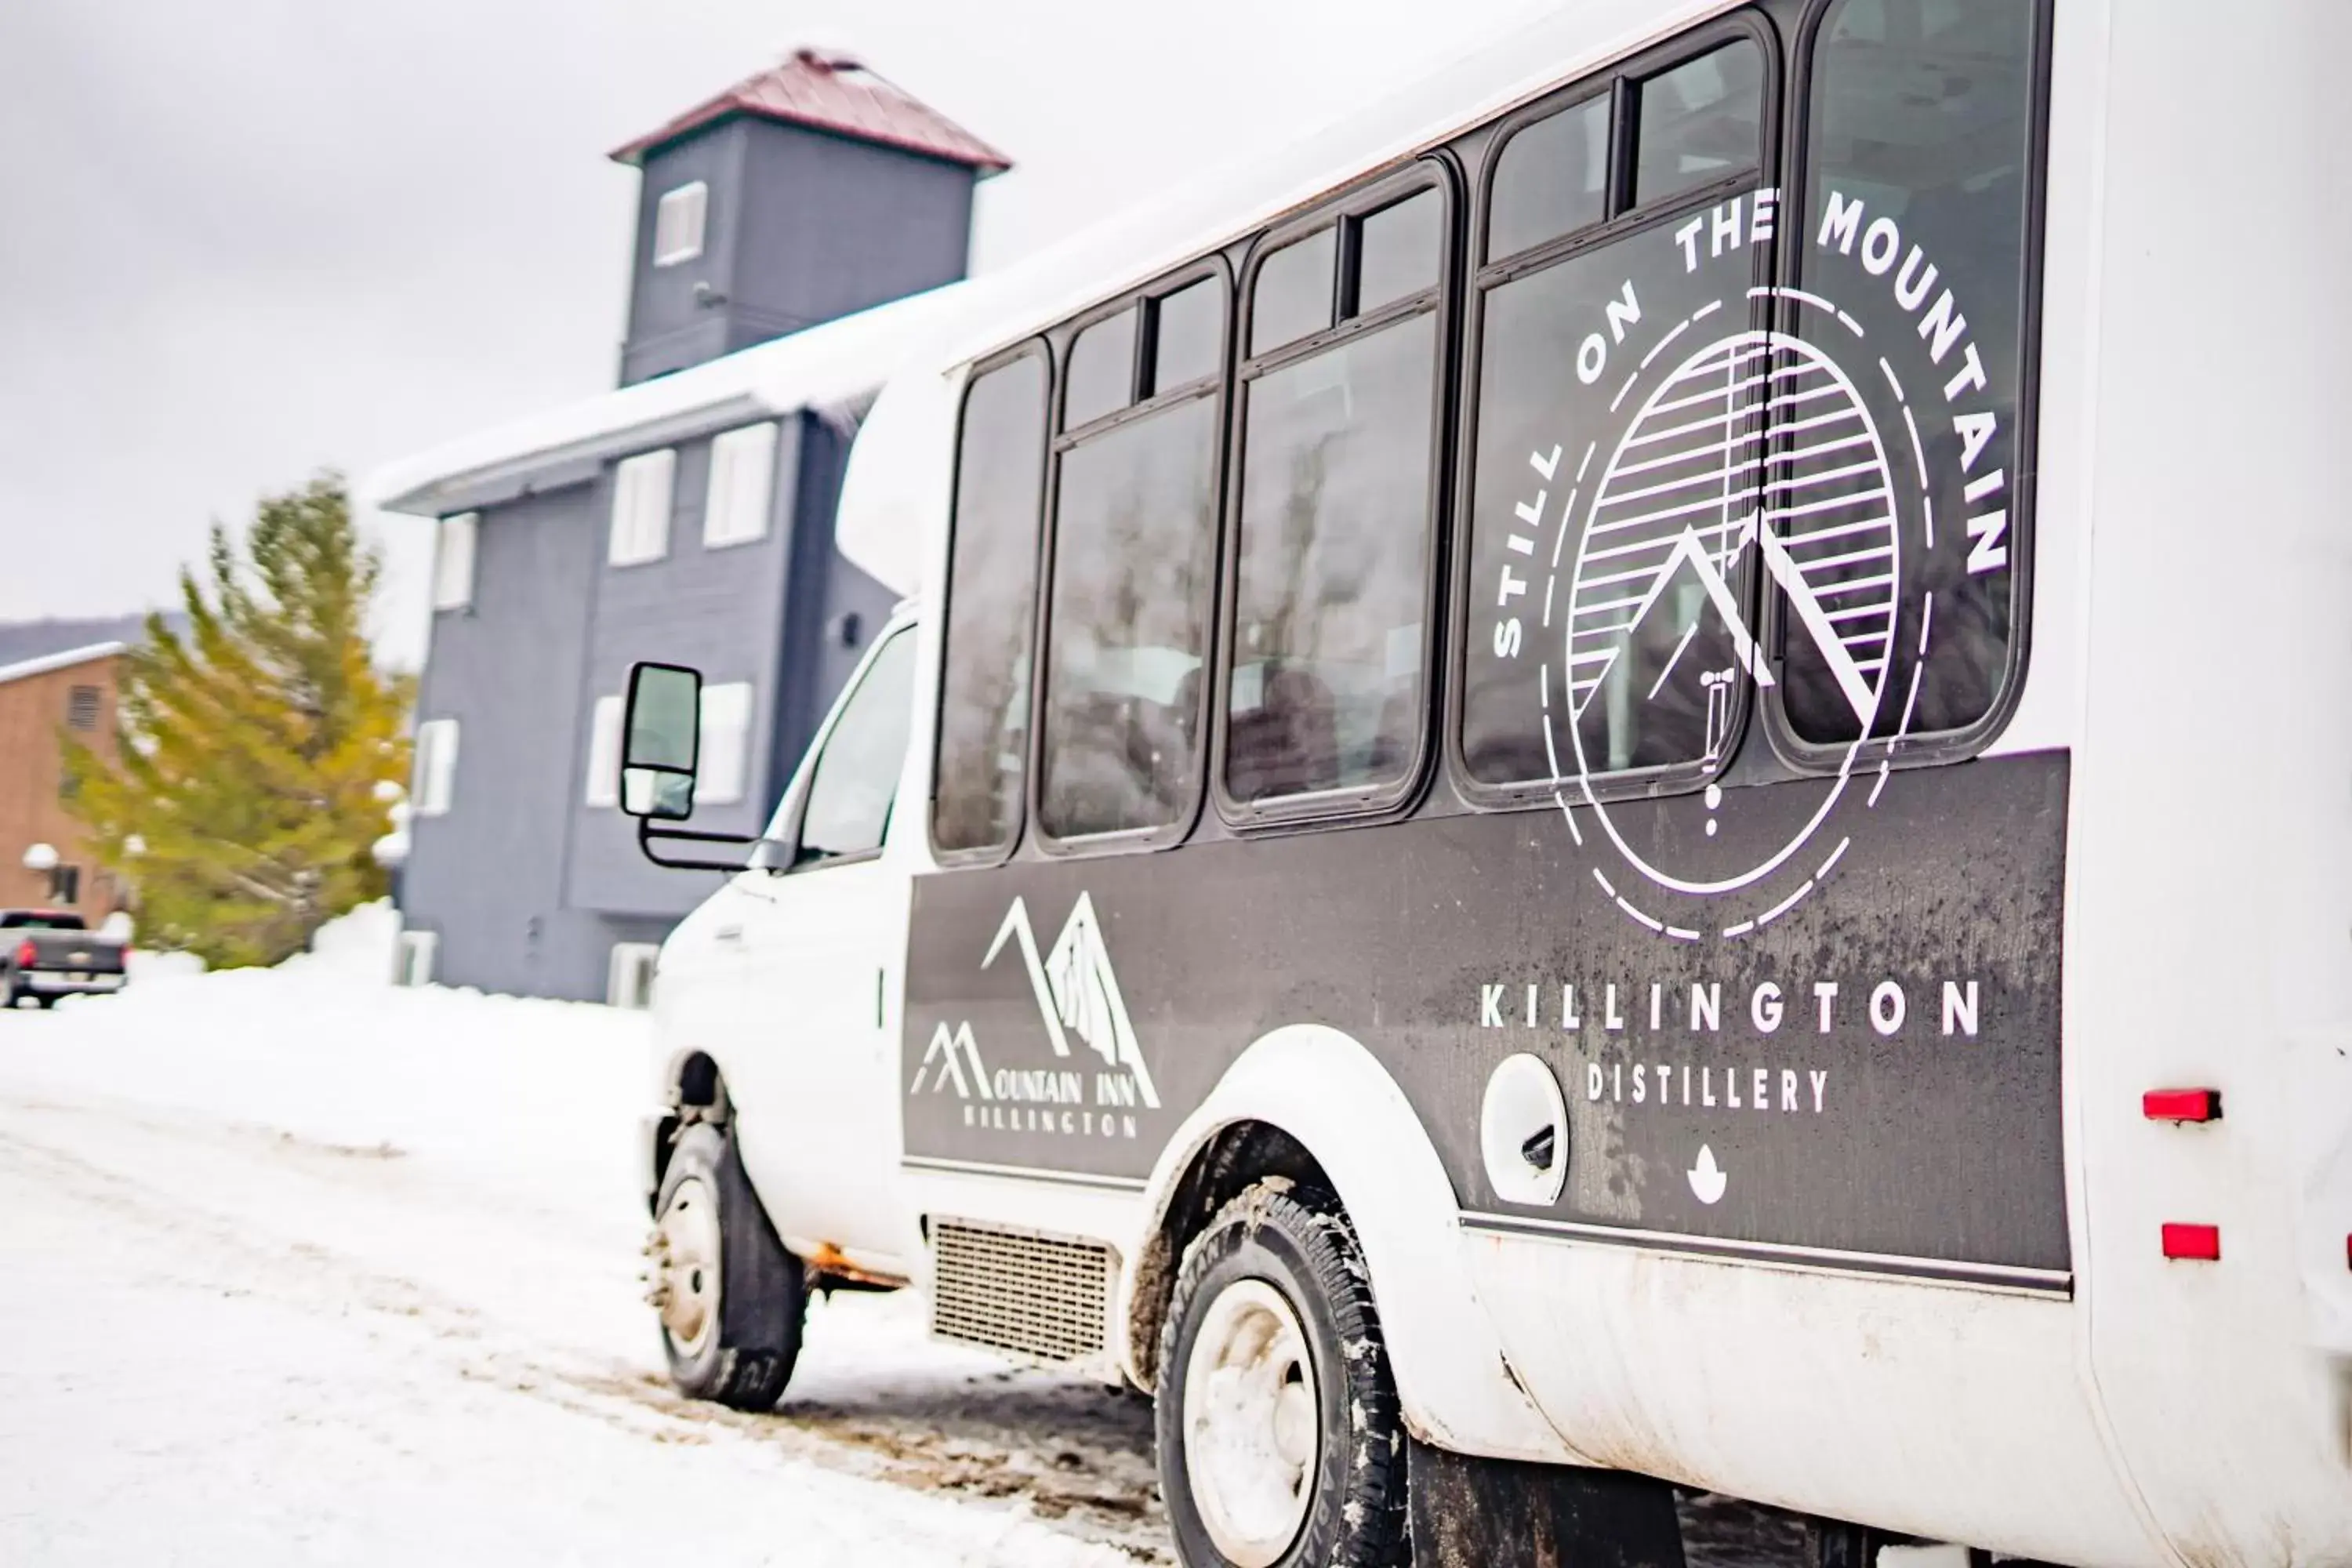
(1100, 376)
(1552, 179)
(1292, 296)
(1615, 468)
(1190, 342)
(1920, 143)
(857, 776)
(40, 920)
(1398, 250)
(1134, 561)
(1328, 633)
(1699, 122)
(991, 596)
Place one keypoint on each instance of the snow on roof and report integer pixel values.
(839, 363)
(65, 660)
(831, 90)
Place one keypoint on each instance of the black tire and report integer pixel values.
(763, 1290)
(1301, 1244)
(45, 1002)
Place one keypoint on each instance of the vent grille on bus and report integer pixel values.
(1011, 1290)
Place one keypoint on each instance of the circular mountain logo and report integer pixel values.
(1733, 457)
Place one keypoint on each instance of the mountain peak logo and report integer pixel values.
(1078, 990)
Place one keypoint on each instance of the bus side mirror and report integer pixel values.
(663, 735)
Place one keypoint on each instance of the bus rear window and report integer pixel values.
(1920, 144)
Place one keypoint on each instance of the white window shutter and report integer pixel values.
(742, 484)
(604, 753)
(629, 973)
(453, 561)
(726, 743)
(678, 220)
(436, 765)
(641, 504)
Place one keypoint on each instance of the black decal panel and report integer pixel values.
(1066, 1016)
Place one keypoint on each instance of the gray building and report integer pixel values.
(799, 236)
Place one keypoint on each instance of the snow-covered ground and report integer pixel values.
(300, 1266)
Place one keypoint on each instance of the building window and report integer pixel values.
(65, 884)
(82, 703)
(742, 482)
(629, 977)
(436, 765)
(719, 778)
(453, 561)
(412, 960)
(677, 224)
(604, 753)
(641, 498)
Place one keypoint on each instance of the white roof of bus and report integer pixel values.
(1204, 214)
(889, 527)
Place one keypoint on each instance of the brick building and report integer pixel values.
(68, 692)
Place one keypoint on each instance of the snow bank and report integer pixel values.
(325, 1047)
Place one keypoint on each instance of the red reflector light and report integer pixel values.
(2195, 1243)
(25, 956)
(2181, 1105)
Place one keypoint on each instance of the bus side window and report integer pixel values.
(1920, 143)
(1605, 502)
(1332, 585)
(992, 595)
(1131, 597)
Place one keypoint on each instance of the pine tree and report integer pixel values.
(243, 802)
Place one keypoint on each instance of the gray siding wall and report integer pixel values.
(528, 884)
(485, 874)
(834, 610)
(668, 329)
(802, 226)
(832, 226)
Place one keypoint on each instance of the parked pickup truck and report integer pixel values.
(48, 953)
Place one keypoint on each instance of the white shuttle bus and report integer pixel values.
(1550, 837)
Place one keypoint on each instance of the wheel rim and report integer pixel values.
(1251, 1424)
(689, 1245)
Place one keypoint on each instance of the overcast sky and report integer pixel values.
(249, 239)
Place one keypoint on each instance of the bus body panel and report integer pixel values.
(1950, 1413)
(2212, 864)
(2126, 1412)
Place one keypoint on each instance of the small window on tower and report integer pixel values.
(677, 224)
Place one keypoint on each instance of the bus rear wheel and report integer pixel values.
(732, 1299)
(1279, 1438)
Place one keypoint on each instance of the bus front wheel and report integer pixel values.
(1279, 1438)
(732, 1299)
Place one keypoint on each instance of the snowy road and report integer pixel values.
(302, 1269)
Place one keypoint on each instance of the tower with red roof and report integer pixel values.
(813, 189)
